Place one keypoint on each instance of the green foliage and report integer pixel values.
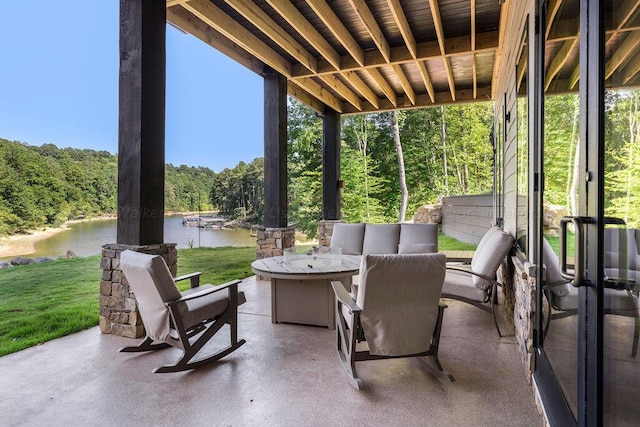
(239, 192)
(47, 185)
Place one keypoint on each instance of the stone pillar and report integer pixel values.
(119, 313)
(325, 231)
(272, 241)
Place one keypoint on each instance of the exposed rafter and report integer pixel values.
(289, 12)
(437, 23)
(474, 69)
(319, 46)
(329, 18)
(369, 21)
(455, 46)
(552, 10)
(268, 26)
(383, 85)
(631, 70)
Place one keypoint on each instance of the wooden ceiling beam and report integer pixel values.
(185, 20)
(559, 61)
(299, 23)
(404, 82)
(423, 100)
(456, 46)
(220, 21)
(631, 70)
(359, 85)
(336, 84)
(621, 55)
(502, 28)
(305, 97)
(320, 93)
(256, 16)
(383, 85)
(437, 23)
(331, 20)
(171, 3)
(474, 68)
(426, 80)
(403, 25)
(229, 28)
(370, 23)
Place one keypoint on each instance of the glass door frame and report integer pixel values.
(590, 337)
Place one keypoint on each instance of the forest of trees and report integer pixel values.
(442, 151)
(46, 186)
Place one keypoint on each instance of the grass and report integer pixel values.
(41, 302)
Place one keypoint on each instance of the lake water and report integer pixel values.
(87, 238)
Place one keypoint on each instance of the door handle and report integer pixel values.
(577, 278)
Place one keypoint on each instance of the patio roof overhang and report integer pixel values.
(356, 56)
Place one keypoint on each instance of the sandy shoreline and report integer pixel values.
(24, 244)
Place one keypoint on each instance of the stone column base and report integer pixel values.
(119, 313)
(325, 231)
(273, 241)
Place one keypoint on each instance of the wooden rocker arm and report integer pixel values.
(343, 296)
(493, 282)
(204, 292)
(194, 277)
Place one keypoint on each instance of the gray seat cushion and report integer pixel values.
(461, 285)
(492, 249)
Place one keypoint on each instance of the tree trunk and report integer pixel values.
(362, 145)
(572, 185)
(404, 193)
(443, 138)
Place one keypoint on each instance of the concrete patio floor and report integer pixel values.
(285, 375)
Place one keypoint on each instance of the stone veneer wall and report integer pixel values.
(524, 312)
(325, 231)
(272, 241)
(119, 313)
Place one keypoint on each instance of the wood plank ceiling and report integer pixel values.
(356, 55)
(375, 55)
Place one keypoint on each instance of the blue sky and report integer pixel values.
(59, 85)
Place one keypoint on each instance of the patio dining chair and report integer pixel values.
(476, 284)
(185, 320)
(396, 312)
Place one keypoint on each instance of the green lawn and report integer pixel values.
(41, 302)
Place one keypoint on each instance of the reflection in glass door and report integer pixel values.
(591, 336)
(621, 223)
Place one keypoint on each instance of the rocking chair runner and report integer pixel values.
(185, 320)
(397, 311)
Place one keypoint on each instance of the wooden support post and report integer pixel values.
(141, 122)
(330, 164)
(275, 149)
